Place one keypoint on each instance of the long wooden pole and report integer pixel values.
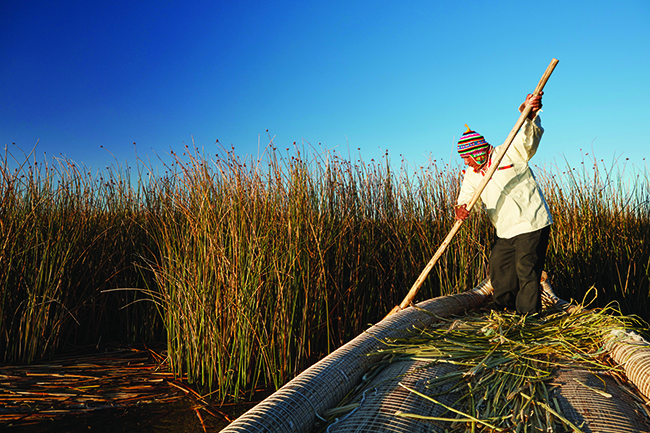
(495, 164)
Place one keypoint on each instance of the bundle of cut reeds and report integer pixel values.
(505, 362)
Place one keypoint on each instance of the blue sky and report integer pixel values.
(376, 75)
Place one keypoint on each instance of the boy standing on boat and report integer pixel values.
(516, 207)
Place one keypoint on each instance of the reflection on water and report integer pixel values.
(118, 390)
(179, 416)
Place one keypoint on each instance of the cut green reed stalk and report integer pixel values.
(510, 359)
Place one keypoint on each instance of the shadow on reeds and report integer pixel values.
(253, 269)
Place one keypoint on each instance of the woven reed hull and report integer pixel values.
(297, 406)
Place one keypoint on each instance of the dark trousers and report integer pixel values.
(516, 266)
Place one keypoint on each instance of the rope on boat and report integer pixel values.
(337, 420)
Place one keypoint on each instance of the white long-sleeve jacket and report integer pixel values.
(512, 198)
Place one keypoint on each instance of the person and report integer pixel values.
(516, 207)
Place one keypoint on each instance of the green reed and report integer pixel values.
(265, 265)
(65, 236)
(258, 267)
(601, 232)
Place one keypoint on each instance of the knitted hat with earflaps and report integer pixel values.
(473, 144)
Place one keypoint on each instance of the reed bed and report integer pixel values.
(66, 235)
(601, 232)
(505, 363)
(252, 269)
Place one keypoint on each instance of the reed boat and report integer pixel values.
(346, 392)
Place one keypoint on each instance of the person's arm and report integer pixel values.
(527, 139)
(467, 190)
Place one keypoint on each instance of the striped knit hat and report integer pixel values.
(473, 144)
